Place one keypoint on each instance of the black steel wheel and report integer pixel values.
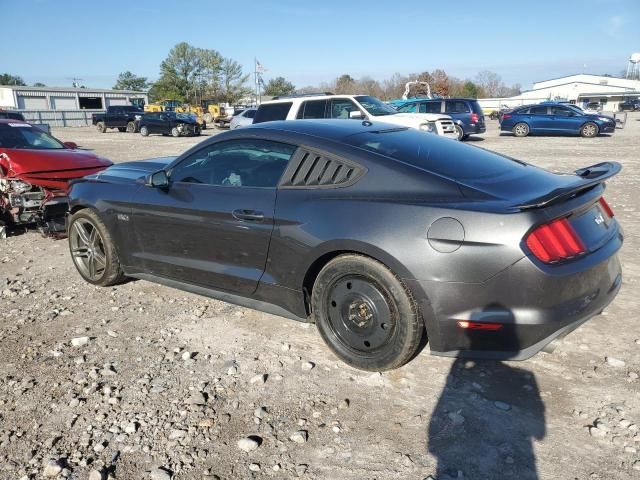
(92, 249)
(365, 314)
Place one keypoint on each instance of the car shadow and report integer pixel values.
(473, 138)
(486, 419)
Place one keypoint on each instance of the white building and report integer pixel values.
(580, 89)
(62, 98)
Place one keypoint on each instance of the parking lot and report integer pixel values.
(158, 378)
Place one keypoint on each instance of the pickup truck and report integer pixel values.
(123, 117)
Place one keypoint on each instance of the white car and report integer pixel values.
(363, 107)
(243, 118)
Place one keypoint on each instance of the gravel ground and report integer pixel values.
(141, 381)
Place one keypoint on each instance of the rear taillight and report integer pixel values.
(468, 325)
(505, 116)
(475, 118)
(555, 241)
(605, 206)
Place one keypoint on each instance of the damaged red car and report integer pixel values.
(35, 171)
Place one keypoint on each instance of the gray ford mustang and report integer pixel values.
(385, 237)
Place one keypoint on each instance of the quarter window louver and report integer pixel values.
(308, 169)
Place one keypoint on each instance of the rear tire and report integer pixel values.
(460, 133)
(364, 313)
(101, 127)
(131, 127)
(92, 249)
(175, 132)
(144, 131)
(521, 129)
(589, 130)
(208, 118)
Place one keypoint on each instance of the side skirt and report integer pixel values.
(219, 295)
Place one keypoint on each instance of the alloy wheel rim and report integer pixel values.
(589, 130)
(360, 316)
(87, 249)
(520, 129)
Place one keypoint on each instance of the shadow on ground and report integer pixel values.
(486, 420)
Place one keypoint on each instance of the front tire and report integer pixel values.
(102, 128)
(93, 250)
(589, 130)
(144, 131)
(175, 132)
(364, 313)
(521, 129)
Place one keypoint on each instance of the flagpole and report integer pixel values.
(255, 77)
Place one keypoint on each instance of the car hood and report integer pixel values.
(131, 172)
(50, 168)
(412, 119)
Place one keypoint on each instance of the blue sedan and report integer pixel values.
(555, 119)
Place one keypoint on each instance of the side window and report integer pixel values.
(271, 112)
(455, 106)
(430, 107)
(313, 109)
(236, 163)
(410, 108)
(250, 113)
(340, 108)
(560, 111)
(542, 110)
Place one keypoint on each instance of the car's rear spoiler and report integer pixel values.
(585, 178)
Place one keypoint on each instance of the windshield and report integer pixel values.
(374, 106)
(575, 108)
(408, 108)
(22, 135)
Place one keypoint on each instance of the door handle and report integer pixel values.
(248, 215)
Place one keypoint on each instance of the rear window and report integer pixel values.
(475, 106)
(456, 106)
(440, 156)
(271, 112)
(431, 107)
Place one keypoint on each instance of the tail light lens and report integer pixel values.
(469, 325)
(475, 118)
(505, 116)
(555, 241)
(605, 206)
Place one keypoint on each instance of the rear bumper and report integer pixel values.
(474, 128)
(532, 306)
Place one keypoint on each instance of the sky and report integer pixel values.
(308, 42)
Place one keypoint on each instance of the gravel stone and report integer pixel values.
(79, 341)
(301, 436)
(248, 444)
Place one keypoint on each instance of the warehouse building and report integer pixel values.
(63, 98)
(580, 89)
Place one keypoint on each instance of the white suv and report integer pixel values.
(351, 107)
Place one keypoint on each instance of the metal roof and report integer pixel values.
(26, 88)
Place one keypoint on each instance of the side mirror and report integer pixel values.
(355, 114)
(71, 145)
(158, 179)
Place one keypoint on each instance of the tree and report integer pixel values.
(234, 82)
(8, 79)
(129, 81)
(279, 86)
(440, 86)
(469, 90)
(345, 84)
(179, 73)
(39, 84)
(490, 82)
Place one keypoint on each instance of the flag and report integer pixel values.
(259, 67)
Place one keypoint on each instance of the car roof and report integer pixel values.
(330, 129)
(312, 97)
(11, 120)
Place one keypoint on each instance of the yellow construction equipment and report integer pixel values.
(176, 106)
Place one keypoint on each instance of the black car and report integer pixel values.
(123, 117)
(630, 104)
(169, 123)
(4, 114)
(467, 113)
(381, 235)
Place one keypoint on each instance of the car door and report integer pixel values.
(212, 225)
(566, 119)
(342, 107)
(539, 120)
(432, 106)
